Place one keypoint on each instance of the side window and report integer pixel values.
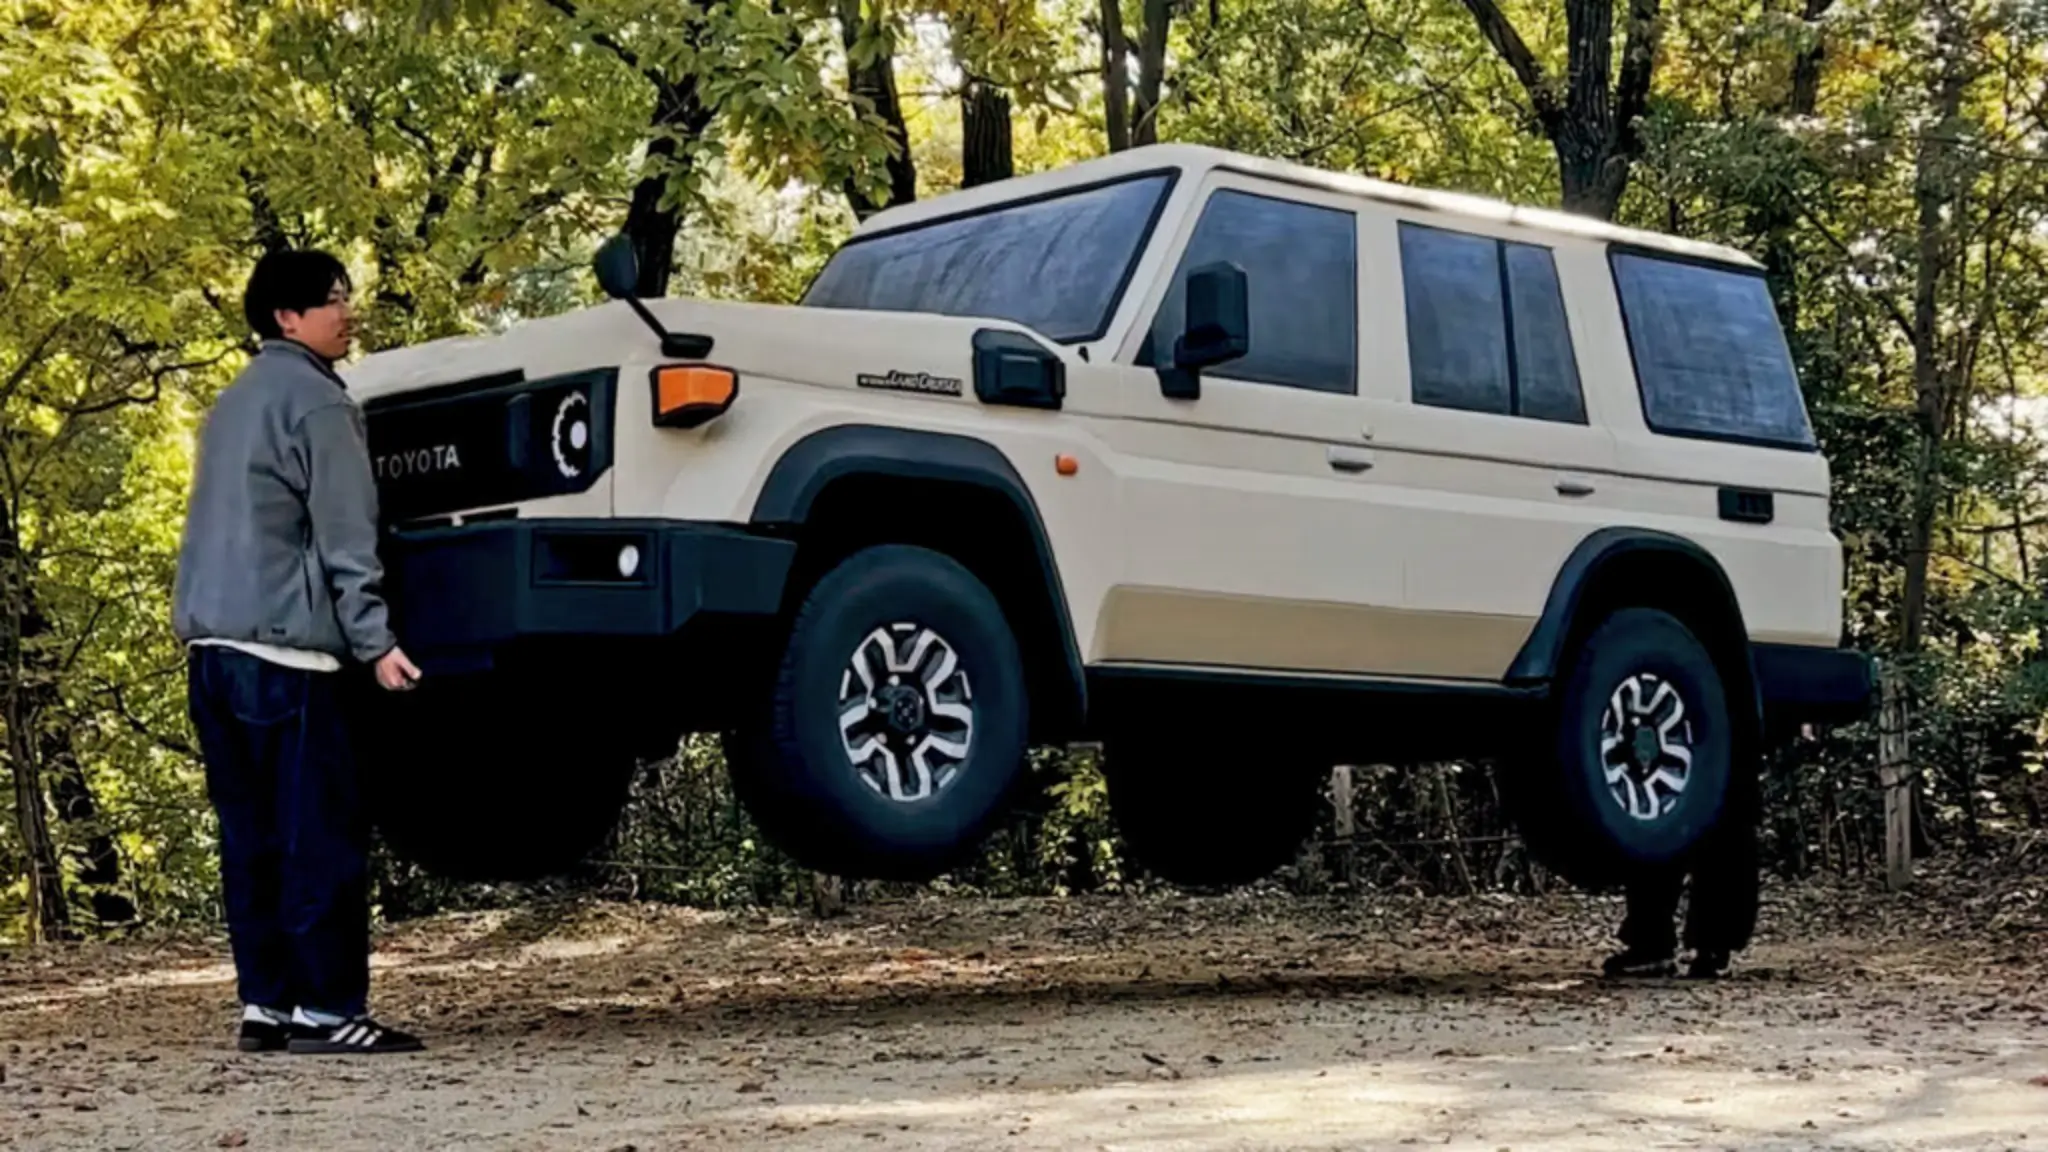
(1710, 357)
(1486, 327)
(1301, 268)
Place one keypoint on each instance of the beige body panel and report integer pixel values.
(1217, 532)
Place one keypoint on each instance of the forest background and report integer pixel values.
(1886, 159)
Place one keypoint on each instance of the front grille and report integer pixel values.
(488, 441)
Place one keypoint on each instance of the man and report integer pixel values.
(277, 596)
(1726, 889)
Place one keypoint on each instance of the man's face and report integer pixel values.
(328, 329)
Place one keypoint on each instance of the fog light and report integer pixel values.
(629, 561)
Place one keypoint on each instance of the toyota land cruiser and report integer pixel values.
(1238, 467)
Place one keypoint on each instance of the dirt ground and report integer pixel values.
(1858, 1022)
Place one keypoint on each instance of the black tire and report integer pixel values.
(797, 775)
(1209, 813)
(1598, 834)
(493, 776)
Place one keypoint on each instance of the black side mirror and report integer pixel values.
(618, 270)
(1217, 329)
(618, 273)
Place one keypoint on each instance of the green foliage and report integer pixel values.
(465, 156)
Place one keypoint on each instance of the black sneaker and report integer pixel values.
(1638, 965)
(1707, 966)
(360, 1036)
(263, 1033)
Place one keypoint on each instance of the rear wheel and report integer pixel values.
(1637, 771)
(1209, 813)
(496, 776)
(894, 733)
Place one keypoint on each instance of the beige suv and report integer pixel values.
(1239, 468)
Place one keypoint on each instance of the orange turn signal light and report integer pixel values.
(686, 395)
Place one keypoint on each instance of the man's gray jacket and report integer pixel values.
(280, 543)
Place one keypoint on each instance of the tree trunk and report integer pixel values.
(1116, 77)
(985, 152)
(1151, 71)
(99, 860)
(1777, 219)
(48, 916)
(655, 218)
(875, 82)
(1592, 123)
(1934, 196)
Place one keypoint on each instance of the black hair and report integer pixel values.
(294, 280)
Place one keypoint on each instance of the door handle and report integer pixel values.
(1569, 487)
(1349, 459)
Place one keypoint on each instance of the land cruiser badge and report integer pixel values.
(925, 382)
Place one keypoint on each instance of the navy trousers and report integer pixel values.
(294, 838)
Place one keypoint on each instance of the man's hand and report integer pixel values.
(395, 672)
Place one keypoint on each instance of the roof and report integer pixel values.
(1195, 158)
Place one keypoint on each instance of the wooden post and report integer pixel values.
(1894, 772)
(1346, 823)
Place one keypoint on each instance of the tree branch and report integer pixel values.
(1638, 61)
(1891, 306)
(29, 362)
(142, 728)
(1500, 32)
(604, 40)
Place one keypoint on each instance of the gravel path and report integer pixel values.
(1167, 1023)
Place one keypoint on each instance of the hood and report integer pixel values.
(823, 346)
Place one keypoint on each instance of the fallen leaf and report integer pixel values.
(2039, 1081)
(235, 1139)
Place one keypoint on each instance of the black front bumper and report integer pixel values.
(461, 593)
(1814, 685)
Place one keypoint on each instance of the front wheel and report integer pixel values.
(1638, 768)
(895, 729)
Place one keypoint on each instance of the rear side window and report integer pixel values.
(1710, 357)
(1486, 327)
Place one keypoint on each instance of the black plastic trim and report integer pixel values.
(485, 383)
(1748, 505)
(1172, 173)
(459, 590)
(492, 425)
(1341, 716)
(844, 450)
(1811, 685)
(1012, 368)
(1809, 447)
(1543, 652)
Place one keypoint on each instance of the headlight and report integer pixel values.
(569, 435)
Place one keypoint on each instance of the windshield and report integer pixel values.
(1055, 265)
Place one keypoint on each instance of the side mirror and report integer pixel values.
(618, 273)
(1217, 329)
(618, 270)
